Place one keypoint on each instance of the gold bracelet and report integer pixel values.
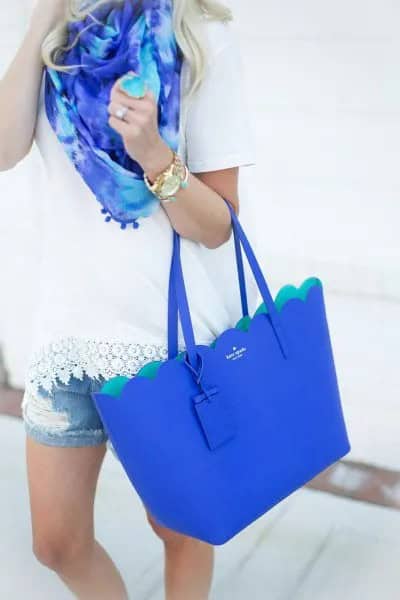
(170, 180)
(183, 184)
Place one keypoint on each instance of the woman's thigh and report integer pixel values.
(64, 416)
(62, 484)
(65, 447)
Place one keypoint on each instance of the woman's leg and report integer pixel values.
(189, 564)
(62, 484)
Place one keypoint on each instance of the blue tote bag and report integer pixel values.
(215, 436)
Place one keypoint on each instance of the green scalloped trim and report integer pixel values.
(290, 291)
(149, 369)
(113, 386)
(244, 323)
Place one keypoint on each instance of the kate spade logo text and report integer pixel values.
(236, 353)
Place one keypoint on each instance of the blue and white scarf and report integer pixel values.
(137, 35)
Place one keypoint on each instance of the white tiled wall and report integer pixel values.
(324, 91)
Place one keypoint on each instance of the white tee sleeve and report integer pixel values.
(219, 130)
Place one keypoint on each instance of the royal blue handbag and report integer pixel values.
(215, 436)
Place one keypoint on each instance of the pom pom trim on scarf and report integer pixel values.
(112, 40)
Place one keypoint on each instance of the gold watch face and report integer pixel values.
(170, 185)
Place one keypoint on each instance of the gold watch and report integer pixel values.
(168, 182)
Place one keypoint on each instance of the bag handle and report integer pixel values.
(172, 304)
(172, 308)
(178, 298)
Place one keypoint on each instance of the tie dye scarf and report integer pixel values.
(136, 35)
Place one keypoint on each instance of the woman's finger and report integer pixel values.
(113, 107)
(126, 129)
(142, 104)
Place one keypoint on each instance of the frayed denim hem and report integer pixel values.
(63, 439)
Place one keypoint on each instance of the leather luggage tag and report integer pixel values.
(215, 416)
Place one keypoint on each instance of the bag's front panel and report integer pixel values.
(155, 432)
(291, 424)
(286, 414)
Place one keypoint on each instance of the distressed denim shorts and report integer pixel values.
(65, 416)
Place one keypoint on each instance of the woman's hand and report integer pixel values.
(199, 212)
(47, 14)
(139, 130)
(20, 84)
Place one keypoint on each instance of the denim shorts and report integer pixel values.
(65, 416)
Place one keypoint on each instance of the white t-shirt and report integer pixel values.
(102, 306)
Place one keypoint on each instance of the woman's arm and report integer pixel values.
(199, 212)
(20, 86)
(218, 134)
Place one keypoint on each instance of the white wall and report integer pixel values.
(325, 94)
(323, 87)
(18, 225)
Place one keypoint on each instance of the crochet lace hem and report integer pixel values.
(74, 357)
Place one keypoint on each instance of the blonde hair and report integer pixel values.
(187, 17)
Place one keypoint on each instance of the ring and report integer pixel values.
(121, 112)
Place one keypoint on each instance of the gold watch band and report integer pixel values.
(153, 185)
(168, 182)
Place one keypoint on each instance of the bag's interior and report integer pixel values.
(114, 386)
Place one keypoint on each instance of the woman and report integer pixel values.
(102, 306)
